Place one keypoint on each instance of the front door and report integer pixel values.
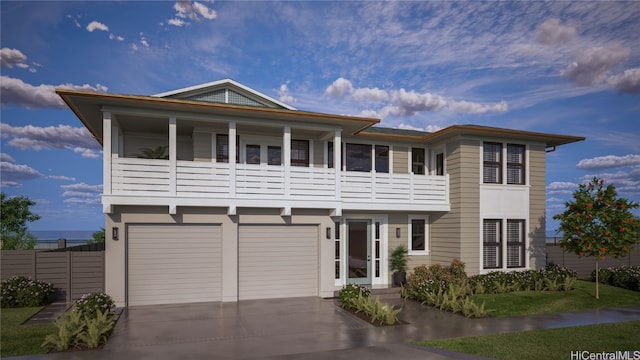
(359, 251)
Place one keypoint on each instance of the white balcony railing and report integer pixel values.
(132, 177)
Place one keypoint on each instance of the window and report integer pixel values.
(336, 225)
(252, 153)
(358, 157)
(382, 158)
(492, 163)
(222, 148)
(417, 161)
(274, 155)
(300, 153)
(492, 244)
(515, 243)
(418, 235)
(377, 253)
(440, 164)
(515, 164)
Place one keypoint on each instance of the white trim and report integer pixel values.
(286, 155)
(173, 143)
(107, 131)
(232, 158)
(426, 234)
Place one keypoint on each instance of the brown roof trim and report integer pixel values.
(205, 105)
(550, 139)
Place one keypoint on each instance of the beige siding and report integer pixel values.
(400, 159)
(537, 205)
(456, 234)
(202, 146)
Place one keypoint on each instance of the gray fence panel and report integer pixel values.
(18, 263)
(87, 273)
(585, 265)
(71, 273)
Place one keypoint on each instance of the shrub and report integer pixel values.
(552, 278)
(626, 277)
(75, 329)
(20, 291)
(377, 311)
(89, 305)
(349, 295)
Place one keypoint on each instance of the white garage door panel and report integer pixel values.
(278, 261)
(174, 264)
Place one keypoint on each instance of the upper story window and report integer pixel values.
(440, 164)
(252, 154)
(515, 164)
(274, 155)
(382, 158)
(300, 153)
(222, 148)
(417, 161)
(492, 163)
(358, 157)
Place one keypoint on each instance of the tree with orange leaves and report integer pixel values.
(597, 223)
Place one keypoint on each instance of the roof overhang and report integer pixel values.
(89, 106)
(550, 140)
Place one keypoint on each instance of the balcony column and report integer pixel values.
(173, 164)
(286, 154)
(232, 160)
(107, 158)
(337, 166)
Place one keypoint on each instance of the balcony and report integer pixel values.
(137, 181)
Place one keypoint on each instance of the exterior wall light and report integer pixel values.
(398, 233)
(114, 233)
(328, 232)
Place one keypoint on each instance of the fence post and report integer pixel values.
(69, 287)
(33, 266)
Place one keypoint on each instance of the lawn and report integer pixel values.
(539, 302)
(549, 344)
(19, 339)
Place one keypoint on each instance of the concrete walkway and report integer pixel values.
(305, 328)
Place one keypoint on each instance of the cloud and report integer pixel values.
(561, 187)
(113, 36)
(18, 172)
(194, 11)
(592, 65)
(610, 161)
(95, 25)
(52, 137)
(407, 103)
(552, 31)
(284, 94)
(81, 193)
(428, 128)
(6, 157)
(61, 177)
(626, 182)
(339, 88)
(15, 91)
(11, 57)
(627, 82)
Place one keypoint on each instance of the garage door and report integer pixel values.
(170, 264)
(277, 261)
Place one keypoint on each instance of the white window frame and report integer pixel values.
(410, 235)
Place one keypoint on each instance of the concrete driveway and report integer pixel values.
(304, 328)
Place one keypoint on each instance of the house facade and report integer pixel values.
(220, 193)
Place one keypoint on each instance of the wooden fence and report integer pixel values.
(72, 273)
(585, 265)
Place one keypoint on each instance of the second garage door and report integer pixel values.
(277, 261)
(173, 264)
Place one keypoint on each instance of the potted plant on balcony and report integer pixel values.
(398, 264)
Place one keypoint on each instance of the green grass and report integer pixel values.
(548, 344)
(19, 339)
(539, 302)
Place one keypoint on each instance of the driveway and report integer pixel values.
(304, 328)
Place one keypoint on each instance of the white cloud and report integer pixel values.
(410, 102)
(552, 31)
(610, 161)
(37, 138)
(561, 187)
(627, 82)
(11, 57)
(625, 182)
(96, 25)
(134, 47)
(469, 107)
(428, 128)
(61, 177)
(339, 88)
(369, 94)
(194, 11)
(15, 91)
(83, 187)
(592, 65)
(284, 94)
(18, 172)
(113, 36)
(6, 157)
(81, 193)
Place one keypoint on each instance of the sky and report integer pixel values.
(570, 67)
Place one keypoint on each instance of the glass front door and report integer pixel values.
(359, 251)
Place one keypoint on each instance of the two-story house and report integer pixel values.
(220, 193)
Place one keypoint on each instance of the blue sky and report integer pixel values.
(560, 67)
